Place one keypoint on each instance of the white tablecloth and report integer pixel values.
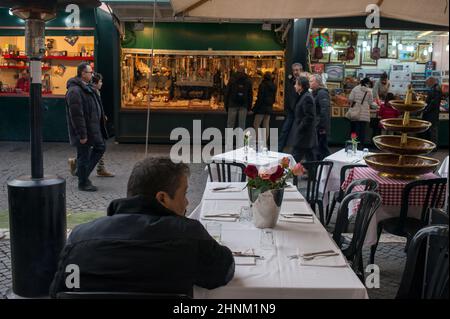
(277, 276)
(443, 170)
(339, 160)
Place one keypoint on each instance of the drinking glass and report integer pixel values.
(266, 239)
(215, 230)
(246, 214)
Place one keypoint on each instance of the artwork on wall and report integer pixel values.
(381, 40)
(335, 72)
(333, 85)
(407, 56)
(366, 59)
(356, 62)
(423, 53)
(318, 68)
(325, 59)
(71, 39)
(392, 52)
(350, 73)
(345, 39)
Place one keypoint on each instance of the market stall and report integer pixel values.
(408, 57)
(192, 66)
(65, 47)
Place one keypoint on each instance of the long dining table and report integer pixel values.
(279, 270)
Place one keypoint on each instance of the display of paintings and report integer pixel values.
(383, 44)
(345, 39)
(318, 68)
(336, 111)
(423, 58)
(366, 59)
(407, 56)
(335, 72)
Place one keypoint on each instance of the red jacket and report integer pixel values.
(23, 84)
(386, 111)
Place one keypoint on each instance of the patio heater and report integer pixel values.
(37, 203)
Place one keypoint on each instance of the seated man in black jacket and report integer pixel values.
(146, 244)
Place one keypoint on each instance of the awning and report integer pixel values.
(422, 11)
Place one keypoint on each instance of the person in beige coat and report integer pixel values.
(362, 97)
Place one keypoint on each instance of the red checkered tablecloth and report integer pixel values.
(390, 189)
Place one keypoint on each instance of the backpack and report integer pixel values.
(240, 91)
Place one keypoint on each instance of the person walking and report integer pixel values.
(361, 99)
(322, 101)
(96, 84)
(264, 105)
(303, 135)
(289, 108)
(432, 110)
(85, 120)
(238, 98)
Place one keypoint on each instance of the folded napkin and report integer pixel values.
(245, 260)
(322, 261)
(221, 219)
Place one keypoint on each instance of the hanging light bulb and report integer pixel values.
(393, 52)
(394, 43)
(400, 46)
(364, 44)
(425, 52)
(430, 49)
(446, 48)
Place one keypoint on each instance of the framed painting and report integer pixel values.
(325, 59)
(407, 56)
(382, 39)
(423, 53)
(318, 68)
(336, 111)
(333, 85)
(366, 59)
(335, 72)
(344, 39)
(356, 62)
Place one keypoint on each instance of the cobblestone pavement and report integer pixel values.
(14, 162)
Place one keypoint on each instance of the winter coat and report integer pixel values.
(431, 112)
(386, 111)
(303, 133)
(322, 101)
(357, 95)
(240, 84)
(85, 116)
(266, 97)
(143, 247)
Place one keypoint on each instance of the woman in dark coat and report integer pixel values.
(264, 104)
(303, 135)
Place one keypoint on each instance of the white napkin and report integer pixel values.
(221, 219)
(244, 261)
(328, 261)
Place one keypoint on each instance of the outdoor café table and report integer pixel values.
(277, 276)
(260, 160)
(339, 160)
(390, 191)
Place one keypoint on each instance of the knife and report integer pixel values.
(318, 253)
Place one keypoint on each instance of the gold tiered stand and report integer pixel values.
(403, 158)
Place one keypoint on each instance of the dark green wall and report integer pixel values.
(202, 36)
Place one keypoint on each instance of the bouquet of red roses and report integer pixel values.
(274, 177)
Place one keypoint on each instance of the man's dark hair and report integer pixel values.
(81, 68)
(384, 76)
(304, 82)
(366, 82)
(97, 77)
(153, 175)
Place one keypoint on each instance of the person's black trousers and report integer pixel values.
(322, 150)
(87, 158)
(433, 132)
(360, 128)
(285, 130)
(300, 153)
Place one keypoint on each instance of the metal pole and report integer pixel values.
(152, 62)
(34, 38)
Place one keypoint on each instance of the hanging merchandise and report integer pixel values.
(376, 51)
(71, 39)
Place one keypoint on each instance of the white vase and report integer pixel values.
(265, 206)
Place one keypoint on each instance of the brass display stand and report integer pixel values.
(403, 158)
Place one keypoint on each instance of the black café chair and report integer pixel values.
(339, 196)
(117, 295)
(312, 192)
(224, 171)
(369, 202)
(404, 225)
(426, 274)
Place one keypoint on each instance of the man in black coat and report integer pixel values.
(238, 98)
(431, 112)
(322, 101)
(85, 119)
(303, 136)
(146, 244)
